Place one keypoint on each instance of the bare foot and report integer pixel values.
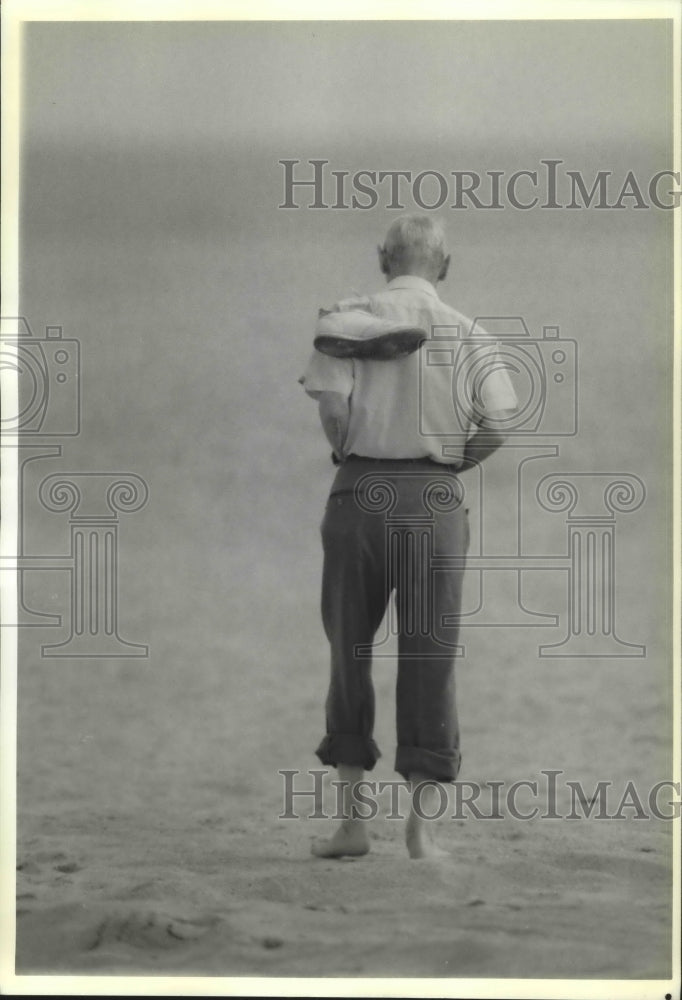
(419, 830)
(419, 840)
(351, 839)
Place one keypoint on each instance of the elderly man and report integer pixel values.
(395, 507)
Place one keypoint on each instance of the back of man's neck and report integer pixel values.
(413, 273)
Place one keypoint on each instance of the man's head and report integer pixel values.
(415, 244)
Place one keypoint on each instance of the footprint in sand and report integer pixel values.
(274, 890)
(272, 942)
(60, 863)
(152, 929)
(32, 865)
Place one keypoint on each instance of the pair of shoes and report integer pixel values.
(356, 333)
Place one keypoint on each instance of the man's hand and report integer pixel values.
(487, 439)
(335, 416)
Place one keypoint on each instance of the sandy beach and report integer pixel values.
(150, 843)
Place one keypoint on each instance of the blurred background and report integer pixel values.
(150, 231)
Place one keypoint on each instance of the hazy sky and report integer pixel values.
(254, 81)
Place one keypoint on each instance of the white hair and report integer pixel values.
(416, 237)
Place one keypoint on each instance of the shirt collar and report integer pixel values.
(412, 281)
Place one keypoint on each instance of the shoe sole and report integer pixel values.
(385, 347)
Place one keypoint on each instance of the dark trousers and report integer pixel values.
(394, 526)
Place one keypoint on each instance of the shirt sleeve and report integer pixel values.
(327, 374)
(492, 387)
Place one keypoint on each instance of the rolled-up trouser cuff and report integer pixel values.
(348, 748)
(439, 765)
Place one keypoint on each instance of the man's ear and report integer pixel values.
(383, 260)
(444, 269)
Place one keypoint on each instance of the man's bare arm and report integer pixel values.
(487, 439)
(335, 416)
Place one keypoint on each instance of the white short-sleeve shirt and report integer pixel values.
(426, 404)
